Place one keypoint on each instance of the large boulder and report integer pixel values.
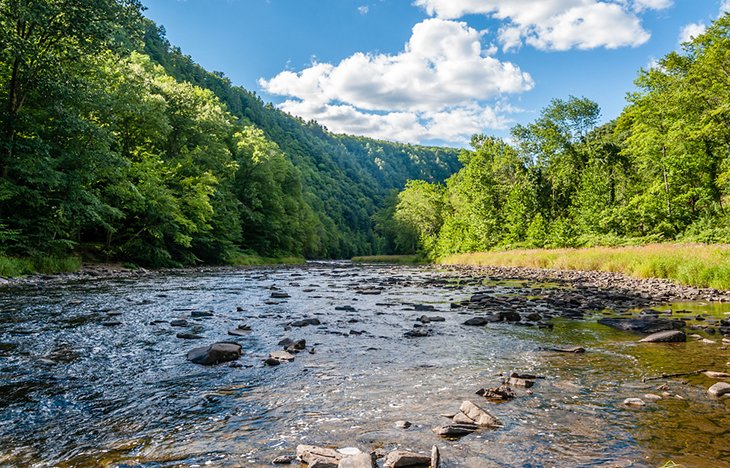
(671, 336)
(215, 353)
(319, 456)
(719, 389)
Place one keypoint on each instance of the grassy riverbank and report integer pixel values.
(12, 266)
(395, 259)
(689, 264)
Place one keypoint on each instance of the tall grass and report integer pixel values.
(689, 264)
(13, 266)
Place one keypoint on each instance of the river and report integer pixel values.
(76, 391)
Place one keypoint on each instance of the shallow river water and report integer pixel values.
(74, 392)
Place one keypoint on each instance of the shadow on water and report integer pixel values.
(79, 390)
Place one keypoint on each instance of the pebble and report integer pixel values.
(634, 402)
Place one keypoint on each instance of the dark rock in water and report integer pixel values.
(534, 317)
(157, 322)
(114, 313)
(111, 323)
(478, 321)
(179, 323)
(188, 336)
(417, 333)
(201, 314)
(503, 392)
(642, 325)
(427, 319)
(671, 336)
(518, 382)
(305, 322)
(423, 307)
(239, 331)
(455, 305)
(286, 342)
(215, 353)
(279, 295)
(239, 309)
(509, 316)
(346, 308)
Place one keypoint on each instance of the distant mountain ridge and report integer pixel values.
(346, 179)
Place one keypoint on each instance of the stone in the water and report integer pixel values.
(573, 349)
(215, 353)
(671, 336)
(477, 321)
(403, 424)
(313, 455)
(360, 460)
(279, 295)
(719, 389)
(634, 402)
(280, 357)
(111, 323)
(717, 375)
(652, 397)
(480, 417)
(305, 322)
(503, 392)
(509, 316)
(346, 308)
(283, 460)
(188, 336)
(455, 430)
(519, 382)
(399, 458)
(417, 333)
(435, 457)
(179, 323)
(201, 314)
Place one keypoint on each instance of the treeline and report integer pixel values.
(659, 172)
(117, 146)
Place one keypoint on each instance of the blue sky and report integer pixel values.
(430, 71)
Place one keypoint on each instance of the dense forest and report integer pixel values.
(659, 172)
(117, 146)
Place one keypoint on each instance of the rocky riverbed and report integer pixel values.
(480, 366)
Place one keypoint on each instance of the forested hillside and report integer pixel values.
(659, 172)
(118, 146)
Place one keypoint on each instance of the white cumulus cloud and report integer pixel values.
(557, 24)
(435, 89)
(691, 31)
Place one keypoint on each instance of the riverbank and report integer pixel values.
(390, 259)
(693, 265)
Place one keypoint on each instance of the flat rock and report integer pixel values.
(361, 460)
(719, 389)
(178, 323)
(201, 314)
(283, 460)
(670, 336)
(480, 417)
(281, 356)
(311, 454)
(399, 458)
(455, 430)
(634, 402)
(188, 336)
(215, 353)
(305, 322)
(717, 375)
(279, 295)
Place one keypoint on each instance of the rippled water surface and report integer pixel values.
(75, 392)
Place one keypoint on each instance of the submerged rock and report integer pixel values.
(672, 336)
(279, 295)
(201, 314)
(634, 402)
(478, 321)
(305, 322)
(188, 336)
(215, 353)
(455, 430)
(642, 325)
